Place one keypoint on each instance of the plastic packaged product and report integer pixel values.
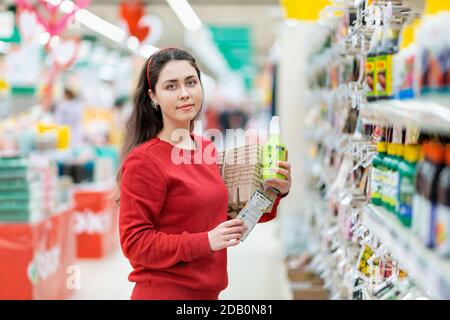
(418, 198)
(377, 173)
(433, 42)
(443, 209)
(435, 155)
(403, 77)
(388, 177)
(274, 150)
(395, 183)
(407, 170)
(371, 71)
(384, 64)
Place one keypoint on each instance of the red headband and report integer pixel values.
(150, 62)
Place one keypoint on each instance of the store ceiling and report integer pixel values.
(262, 16)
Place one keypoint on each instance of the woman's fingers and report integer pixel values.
(240, 229)
(233, 223)
(232, 243)
(284, 165)
(277, 183)
(284, 172)
(236, 236)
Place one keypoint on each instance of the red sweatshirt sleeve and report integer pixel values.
(143, 191)
(273, 213)
(269, 215)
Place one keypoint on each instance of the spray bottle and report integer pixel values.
(274, 151)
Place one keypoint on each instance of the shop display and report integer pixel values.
(442, 213)
(373, 219)
(38, 266)
(96, 222)
(379, 165)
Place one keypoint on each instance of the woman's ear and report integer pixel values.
(152, 96)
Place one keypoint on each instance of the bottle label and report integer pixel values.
(384, 76)
(375, 183)
(442, 229)
(427, 228)
(370, 76)
(271, 155)
(406, 193)
(417, 212)
(395, 190)
(386, 188)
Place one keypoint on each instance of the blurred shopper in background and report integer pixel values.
(70, 112)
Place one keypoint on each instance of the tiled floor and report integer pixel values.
(255, 270)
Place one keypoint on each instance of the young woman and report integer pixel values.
(173, 216)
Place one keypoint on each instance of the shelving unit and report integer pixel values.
(428, 114)
(340, 177)
(427, 269)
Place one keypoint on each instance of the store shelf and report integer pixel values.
(428, 114)
(426, 268)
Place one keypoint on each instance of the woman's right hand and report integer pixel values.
(220, 236)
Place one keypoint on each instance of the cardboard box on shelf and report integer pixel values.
(305, 284)
(97, 225)
(309, 292)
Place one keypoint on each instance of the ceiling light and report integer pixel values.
(44, 37)
(147, 50)
(133, 43)
(67, 6)
(185, 14)
(101, 26)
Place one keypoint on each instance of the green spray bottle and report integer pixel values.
(407, 169)
(388, 176)
(274, 150)
(377, 173)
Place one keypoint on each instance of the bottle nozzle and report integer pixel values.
(274, 127)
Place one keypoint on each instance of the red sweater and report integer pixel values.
(166, 211)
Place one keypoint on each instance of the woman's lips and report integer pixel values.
(186, 106)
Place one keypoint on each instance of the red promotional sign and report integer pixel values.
(36, 258)
(96, 223)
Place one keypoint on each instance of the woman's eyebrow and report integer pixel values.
(175, 80)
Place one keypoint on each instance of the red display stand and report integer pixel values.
(96, 223)
(35, 258)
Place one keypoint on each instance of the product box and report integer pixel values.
(308, 291)
(241, 171)
(37, 259)
(304, 283)
(96, 222)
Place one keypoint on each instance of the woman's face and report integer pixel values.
(178, 92)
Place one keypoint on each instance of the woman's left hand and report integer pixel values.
(284, 168)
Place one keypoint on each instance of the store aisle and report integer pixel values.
(255, 268)
(104, 279)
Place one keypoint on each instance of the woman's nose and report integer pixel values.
(184, 94)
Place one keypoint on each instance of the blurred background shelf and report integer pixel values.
(426, 268)
(427, 114)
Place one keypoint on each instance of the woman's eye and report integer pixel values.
(171, 87)
(192, 83)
